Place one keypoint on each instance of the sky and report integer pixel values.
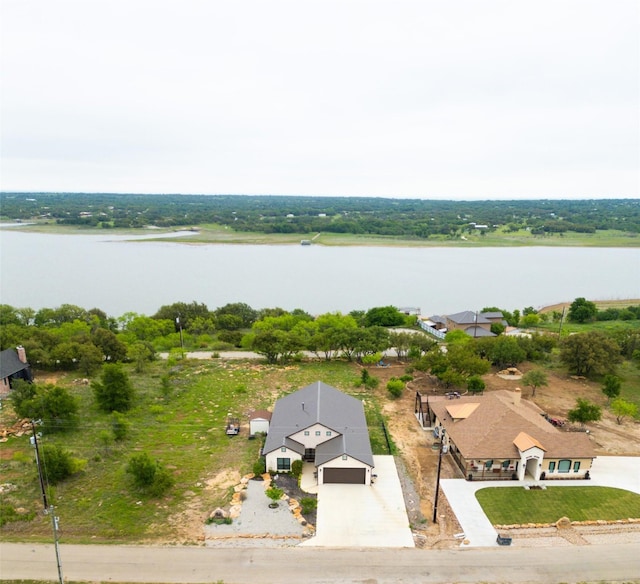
(491, 99)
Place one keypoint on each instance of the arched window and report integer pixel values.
(564, 465)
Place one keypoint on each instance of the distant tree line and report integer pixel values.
(407, 218)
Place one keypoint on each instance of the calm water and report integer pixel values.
(117, 275)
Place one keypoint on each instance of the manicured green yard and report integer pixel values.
(512, 505)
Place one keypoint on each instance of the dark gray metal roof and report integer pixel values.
(320, 403)
(478, 331)
(354, 443)
(468, 317)
(10, 364)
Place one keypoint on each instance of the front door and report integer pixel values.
(309, 454)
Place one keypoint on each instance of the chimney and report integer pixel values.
(22, 354)
(516, 396)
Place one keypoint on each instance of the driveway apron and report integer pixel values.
(362, 516)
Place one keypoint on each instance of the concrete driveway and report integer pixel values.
(361, 516)
(621, 472)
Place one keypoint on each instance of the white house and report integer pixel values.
(322, 425)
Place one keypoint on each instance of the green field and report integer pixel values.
(515, 505)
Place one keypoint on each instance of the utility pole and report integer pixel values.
(48, 509)
(435, 500)
(181, 339)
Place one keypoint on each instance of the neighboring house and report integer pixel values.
(259, 422)
(13, 365)
(475, 324)
(500, 436)
(321, 425)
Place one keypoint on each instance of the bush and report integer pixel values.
(149, 476)
(395, 387)
(368, 380)
(296, 468)
(275, 494)
(308, 505)
(119, 426)
(58, 464)
(259, 467)
(406, 378)
(475, 384)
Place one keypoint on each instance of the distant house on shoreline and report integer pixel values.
(13, 365)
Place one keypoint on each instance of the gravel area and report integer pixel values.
(257, 520)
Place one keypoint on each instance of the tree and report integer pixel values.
(534, 379)
(53, 404)
(582, 311)
(475, 384)
(611, 387)
(90, 358)
(505, 351)
(623, 409)
(120, 426)
(590, 353)
(275, 494)
(107, 341)
(114, 392)
(384, 316)
(584, 412)
(148, 476)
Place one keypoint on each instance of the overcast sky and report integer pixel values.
(430, 99)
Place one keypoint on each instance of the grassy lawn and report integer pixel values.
(184, 431)
(513, 505)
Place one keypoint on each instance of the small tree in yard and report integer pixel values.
(149, 476)
(114, 392)
(611, 387)
(395, 387)
(584, 412)
(296, 468)
(622, 409)
(368, 380)
(534, 379)
(275, 494)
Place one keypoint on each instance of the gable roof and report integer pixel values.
(320, 403)
(10, 363)
(468, 317)
(490, 431)
(524, 442)
(260, 415)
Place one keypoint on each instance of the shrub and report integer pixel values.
(308, 505)
(475, 384)
(259, 467)
(149, 476)
(119, 426)
(368, 380)
(58, 463)
(406, 378)
(395, 387)
(296, 468)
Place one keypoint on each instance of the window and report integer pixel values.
(344, 457)
(306, 432)
(284, 464)
(283, 449)
(552, 466)
(564, 465)
(488, 463)
(505, 464)
(328, 432)
(318, 432)
(576, 466)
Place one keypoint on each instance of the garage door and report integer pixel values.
(344, 475)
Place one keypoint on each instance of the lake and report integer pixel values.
(119, 275)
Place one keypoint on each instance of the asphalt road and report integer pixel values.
(297, 565)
